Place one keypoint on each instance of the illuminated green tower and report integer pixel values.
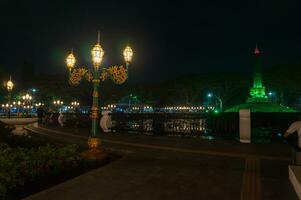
(257, 92)
(258, 101)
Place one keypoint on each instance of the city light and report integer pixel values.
(97, 54)
(58, 102)
(128, 54)
(75, 103)
(39, 104)
(188, 108)
(27, 97)
(70, 61)
(9, 85)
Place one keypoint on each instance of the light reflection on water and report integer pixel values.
(172, 127)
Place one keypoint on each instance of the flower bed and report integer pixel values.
(29, 165)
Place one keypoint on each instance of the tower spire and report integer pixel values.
(256, 51)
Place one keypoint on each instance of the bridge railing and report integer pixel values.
(176, 124)
(263, 125)
(271, 125)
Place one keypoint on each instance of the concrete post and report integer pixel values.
(245, 125)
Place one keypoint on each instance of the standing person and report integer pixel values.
(61, 119)
(40, 112)
(294, 127)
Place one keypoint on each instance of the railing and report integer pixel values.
(271, 126)
(160, 123)
(176, 124)
(226, 125)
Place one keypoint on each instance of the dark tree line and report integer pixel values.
(233, 88)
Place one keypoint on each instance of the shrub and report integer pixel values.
(18, 165)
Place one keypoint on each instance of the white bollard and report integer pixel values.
(245, 125)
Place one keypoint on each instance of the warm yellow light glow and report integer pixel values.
(75, 103)
(27, 97)
(128, 54)
(97, 54)
(9, 85)
(70, 61)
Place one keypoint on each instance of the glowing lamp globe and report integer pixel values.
(97, 54)
(70, 61)
(9, 85)
(128, 54)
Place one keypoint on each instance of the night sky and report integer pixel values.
(168, 39)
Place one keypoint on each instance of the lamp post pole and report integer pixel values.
(9, 86)
(57, 105)
(219, 101)
(118, 75)
(95, 107)
(74, 106)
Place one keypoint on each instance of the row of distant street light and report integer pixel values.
(26, 103)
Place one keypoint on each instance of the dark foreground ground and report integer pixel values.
(176, 168)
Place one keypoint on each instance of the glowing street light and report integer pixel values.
(128, 54)
(27, 97)
(118, 74)
(58, 102)
(210, 95)
(9, 85)
(75, 103)
(70, 61)
(74, 106)
(39, 104)
(272, 96)
(97, 54)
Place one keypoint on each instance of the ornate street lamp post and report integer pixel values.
(118, 75)
(57, 104)
(9, 87)
(27, 102)
(74, 103)
(74, 106)
(210, 95)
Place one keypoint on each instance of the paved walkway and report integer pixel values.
(176, 168)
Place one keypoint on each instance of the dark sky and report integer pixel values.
(169, 39)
